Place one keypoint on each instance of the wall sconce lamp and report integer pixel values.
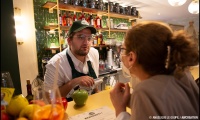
(176, 3)
(18, 25)
(193, 7)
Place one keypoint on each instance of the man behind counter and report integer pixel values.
(79, 63)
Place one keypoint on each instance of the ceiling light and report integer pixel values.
(194, 7)
(176, 3)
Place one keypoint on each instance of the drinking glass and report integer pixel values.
(6, 80)
(7, 89)
(50, 102)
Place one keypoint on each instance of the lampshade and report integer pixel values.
(176, 3)
(194, 7)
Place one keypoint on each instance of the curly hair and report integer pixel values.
(160, 50)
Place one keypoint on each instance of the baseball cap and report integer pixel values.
(80, 25)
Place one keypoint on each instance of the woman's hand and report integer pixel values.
(120, 97)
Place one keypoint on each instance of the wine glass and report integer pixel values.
(50, 102)
(7, 89)
(6, 80)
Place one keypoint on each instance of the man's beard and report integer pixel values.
(81, 52)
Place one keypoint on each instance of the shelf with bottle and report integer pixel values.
(124, 16)
(50, 27)
(68, 7)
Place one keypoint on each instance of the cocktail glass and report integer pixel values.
(50, 102)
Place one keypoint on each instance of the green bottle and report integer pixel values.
(29, 96)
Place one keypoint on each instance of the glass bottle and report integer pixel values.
(95, 40)
(64, 22)
(88, 18)
(68, 19)
(101, 38)
(82, 16)
(98, 22)
(60, 19)
(29, 96)
(74, 17)
(91, 20)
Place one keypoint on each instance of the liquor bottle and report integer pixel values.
(101, 38)
(71, 19)
(95, 40)
(88, 19)
(68, 19)
(64, 22)
(74, 17)
(29, 96)
(62, 42)
(82, 16)
(98, 22)
(91, 20)
(60, 19)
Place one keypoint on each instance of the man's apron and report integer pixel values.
(76, 73)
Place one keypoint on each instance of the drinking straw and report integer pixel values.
(54, 91)
(55, 81)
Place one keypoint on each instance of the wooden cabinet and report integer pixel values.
(67, 7)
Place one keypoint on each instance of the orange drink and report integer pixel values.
(49, 112)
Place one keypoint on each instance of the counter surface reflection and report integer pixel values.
(94, 101)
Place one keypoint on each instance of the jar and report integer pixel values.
(106, 6)
(129, 10)
(85, 3)
(75, 2)
(101, 6)
(117, 9)
(67, 1)
(100, 1)
(92, 3)
(126, 10)
(133, 11)
(96, 4)
(110, 6)
(122, 10)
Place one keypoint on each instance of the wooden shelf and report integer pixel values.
(68, 7)
(52, 48)
(99, 46)
(67, 28)
(117, 15)
(118, 30)
(49, 27)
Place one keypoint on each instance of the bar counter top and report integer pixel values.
(94, 101)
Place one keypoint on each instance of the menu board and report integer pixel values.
(103, 113)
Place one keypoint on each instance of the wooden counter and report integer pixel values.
(102, 98)
(93, 102)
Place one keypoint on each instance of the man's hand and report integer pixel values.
(85, 81)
